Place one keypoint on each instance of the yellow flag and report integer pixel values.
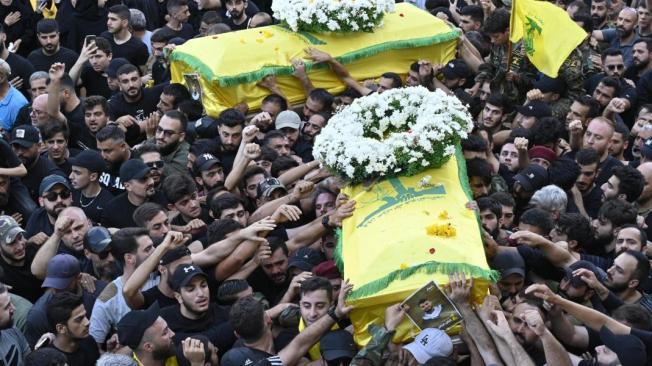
(549, 34)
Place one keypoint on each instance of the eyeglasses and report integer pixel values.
(155, 164)
(166, 133)
(614, 67)
(52, 196)
(104, 254)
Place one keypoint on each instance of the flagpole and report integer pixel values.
(509, 39)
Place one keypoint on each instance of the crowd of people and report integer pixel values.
(136, 230)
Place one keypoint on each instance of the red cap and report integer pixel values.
(542, 152)
(327, 269)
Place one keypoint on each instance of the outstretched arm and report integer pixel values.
(339, 69)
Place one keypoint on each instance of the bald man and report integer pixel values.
(39, 114)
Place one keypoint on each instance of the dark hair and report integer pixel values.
(474, 11)
(576, 227)
(504, 198)
(478, 167)
(611, 52)
(563, 173)
(282, 163)
(538, 218)
(273, 134)
(176, 186)
(589, 101)
(586, 19)
(635, 315)
(481, 42)
(247, 318)
(193, 109)
(396, 79)
(276, 99)
(474, 143)
(267, 154)
(498, 100)
(642, 235)
(110, 132)
(45, 26)
(520, 132)
(145, 148)
(211, 17)
(351, 93)
(52, 128)
(231, 117)
(91, 101)
(175, 114)
(642, 266)
(223, 202)
(178, 91)
(175, 4)
(122, 11)
(124, 241)
(631, 181)
(322, 96)
(146, 212)
(488, 203)
(618, 212)
(546, 131)
(103, 45)
(162, 35)
(275, 243)
(497, 22)
(316, 283)
(623, 130)
(46, 356)
(587, 157)
(220, 228)
(611, 82)
(226, 293)
(60, 306)
(253, 170)
(126, 69)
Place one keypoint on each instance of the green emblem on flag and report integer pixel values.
(531, 27)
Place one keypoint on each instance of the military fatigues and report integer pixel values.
(372, 353)
(588, 67)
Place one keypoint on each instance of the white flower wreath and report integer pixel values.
(399, 132)
(319, 16)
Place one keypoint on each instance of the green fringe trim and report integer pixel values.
(253, 76)
(427, 268)
(461, 172)
(337, 255)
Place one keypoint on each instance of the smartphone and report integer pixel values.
(89, 39)
(44, 342)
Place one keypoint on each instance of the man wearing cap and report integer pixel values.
(54, 196)
(573, 287)
(337, 347)
(541, 155)
(88, 194)
(289, 123)
(303, 260)
(329, 271)
(531, 112)
(97, 245)
(208, 172)
(15, 260)
(13, 347)
(26, 140)
(430, 343)
(171, 141)
(526, 182)
(270, 189)
(148, 336)
(456, 76)
(511, 266)
(11, 100)
(139, 186)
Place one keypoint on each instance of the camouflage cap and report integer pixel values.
(9, 228)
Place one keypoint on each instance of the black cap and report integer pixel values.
(456, 69)
(206, 128)
(183, 274)
(304, 259)
(337, 344)
(114, 65)
(532, 178)
(546, 84)
(629, 348)
(269, 185)
(241, 356)
(508, 262)
(535, 108)
(133, 325)
(97, 239)
(89, 159)
(204, 162)
(576, 281)
(174, 254)
(133, 169)
(25, 136)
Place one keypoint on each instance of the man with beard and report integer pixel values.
(123, 43)
(139, 187)
(629, 270)
(54, 196)
(491, 218)
(25, 141)
(88, 194)
(15, 260)
(97, 245)
(599, 10)
(236, 15)
(230, 124)
(641, 60)
(624, 36)
(171, 141)
(526, 182)
(195, 314)
(208, 172)
(14, 346)
(115, 151)
(271, 277)
(51, 51)
(511, 266)
(289, 123)
(89, 72)
(588, 161)
(573, 287)
(148, 336)
(67, 317)
(171, 96)
(610, 84)
(598, 136)
(493, 113)
(130, 247)
(313, 126)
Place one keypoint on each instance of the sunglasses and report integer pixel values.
(105, 253)
(614, 67)
(52, 196)
(155, 164)
(166, 133)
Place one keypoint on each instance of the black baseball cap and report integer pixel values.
(25, 136)
(304, 259)
(629, 348)
(174, 254)
(133, 169)
(206, 127)
(89, 159)
(184, 274)
(576, 281)
(532, 178)
(114, 65)
(535, 108)
(204, 162)
(546, 84)
(508, 262)
(241, 356)
(337, 344)
(133, 325)
(456, 69)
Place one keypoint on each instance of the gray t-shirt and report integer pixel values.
(13, 347)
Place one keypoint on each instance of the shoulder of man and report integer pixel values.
(109, 292)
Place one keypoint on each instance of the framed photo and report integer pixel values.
(429, 307)
(194, 87)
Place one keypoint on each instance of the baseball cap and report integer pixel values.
(629, 348)
(114, 65)
(25, 136)
(204, 162)
(206, 127)
(50, 181)
(546, 84)
(542, 152)
(304, 259)
(97, 239)
(89, 159)
(532, 177)
(288, 119)
(9, 228)
(508, 262)
(576, 281)
(133, 325)
(267, 186)
(133, 169)
(337, 344)
(646, 149)
(174, 254)
(184, 274)
(535, 108)
(241, 356)
(430, 343)
(327, 269)
(456, 69)
(62, 269)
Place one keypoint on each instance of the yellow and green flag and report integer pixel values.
(549, 34)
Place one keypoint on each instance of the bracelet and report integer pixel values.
(331, 313)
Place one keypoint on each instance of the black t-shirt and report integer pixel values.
(605, 170)
(43, 62)
(186, 32)
(22, 68)
(110, 179)
(134, 50)
(261, 283)
(22, 280)
(154, 294)
(86, 140)
(38, 223)
(94, 82)
(64, 166)
(8, 159)
(93, 207)
(141, 109)
(118, 212)
(214, 325)
(86, 354)
(593, 201)
(235, 27)
(76, 123)
(36, 173)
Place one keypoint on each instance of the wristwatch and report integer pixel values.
(331, 313)
(326, 222)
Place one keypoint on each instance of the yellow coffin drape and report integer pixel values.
(389, 247)
(229, 65)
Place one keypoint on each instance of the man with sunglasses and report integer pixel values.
(55, 194)
(613, 65)
(150, 155)
(15, 259)
(171, 140)
(88, 194)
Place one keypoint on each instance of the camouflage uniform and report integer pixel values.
(571, 73)
(372, 353)
(588, 67)
(560, 108)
